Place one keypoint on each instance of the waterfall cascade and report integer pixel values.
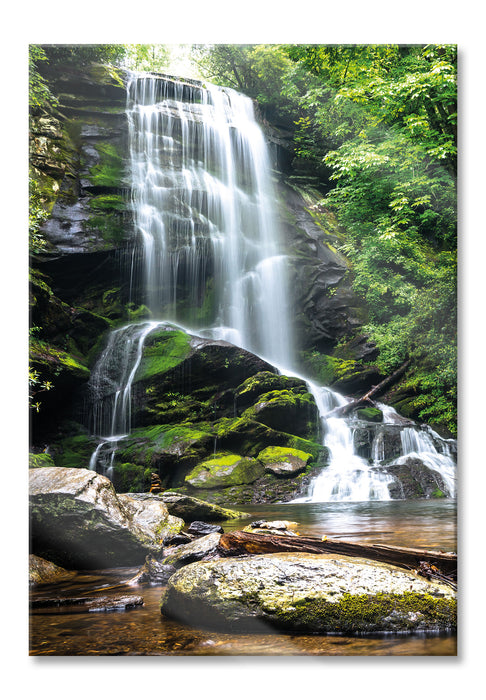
(203, 202)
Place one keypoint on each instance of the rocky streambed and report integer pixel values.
(78, 521)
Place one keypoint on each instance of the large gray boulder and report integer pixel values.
(78, 521)
(307, 593)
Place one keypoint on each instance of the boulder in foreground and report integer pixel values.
(78, 521)
(307, 593)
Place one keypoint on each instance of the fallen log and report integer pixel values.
(365, 400)
(238, 542)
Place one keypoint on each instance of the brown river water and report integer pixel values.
(143, 631)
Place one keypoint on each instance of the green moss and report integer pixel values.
(109, 171)
(108, 202)
(224, 470)
(74, 451)
(163, 350)
(274, 454)
(353, 614)
(131, 478)
(327, 369)
(370, 414)
(37, 461)
(437, 494)
(144, 445)
(44, 354)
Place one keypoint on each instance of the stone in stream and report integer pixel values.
(307, 593)
(153, 571)
(43, 571)
(103, 603)
(199, 528)
(201, 548)
(272, 527)
(191, 508)
(78, 521)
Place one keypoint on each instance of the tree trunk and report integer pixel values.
(365, 400)
(443, 563)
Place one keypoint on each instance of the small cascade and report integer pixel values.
(426, 445)
(111, 391)
(348, 477)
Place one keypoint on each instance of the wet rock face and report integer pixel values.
(414, 479)
(307, 593)
(91, 154)
(78, 521)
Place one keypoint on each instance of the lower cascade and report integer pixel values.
(207, 238)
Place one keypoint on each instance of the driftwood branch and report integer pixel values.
(365, 400)
(238, 542)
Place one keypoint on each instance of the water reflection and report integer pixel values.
(422, 523)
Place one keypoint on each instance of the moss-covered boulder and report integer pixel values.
(224, 470)
(414, 479)
(307, 593)
(284, 461)
(128, 477)
(190, 508)
(248, 393)
(370, 414)
(288, 411)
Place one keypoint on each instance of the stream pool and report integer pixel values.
(143, 631)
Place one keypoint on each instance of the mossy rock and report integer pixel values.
(287, 411)
(370, 414)
(224, 470)
(130, 478)
(74, 451)
(36, 461)
(249, 437)
(166, 448)
(309, 594)
(163, 350)
(284, 461)
(261, 383)
(110, 170)
(42, 353)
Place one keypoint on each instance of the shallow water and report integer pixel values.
(144, 631)
(427, 524)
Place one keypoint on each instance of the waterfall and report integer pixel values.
(421, 444)
(348, 477)
(204, 209)
(111, 391)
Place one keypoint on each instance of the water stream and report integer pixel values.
(204, 207)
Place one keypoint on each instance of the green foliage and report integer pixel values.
(84, 54)
(37, 216)
(257, 70)
(39, 94)
(147, 57)
(382, 121)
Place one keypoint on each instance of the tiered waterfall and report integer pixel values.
(211, 260)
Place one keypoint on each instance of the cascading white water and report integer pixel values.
(204, 207)
(203, 202)
(348, 477)
(417, 443)
(111, 390)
